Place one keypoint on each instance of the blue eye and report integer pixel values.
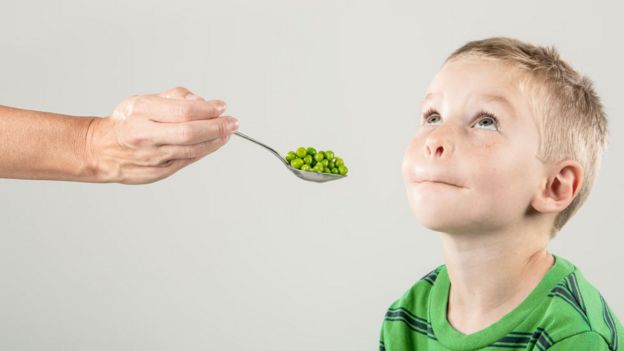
(483, 116)
(491, 118)
(426, 118)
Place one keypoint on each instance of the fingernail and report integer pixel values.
(221, 105)
(233, 125)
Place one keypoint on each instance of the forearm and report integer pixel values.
(42, 145)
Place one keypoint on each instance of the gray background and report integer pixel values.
(233, 252)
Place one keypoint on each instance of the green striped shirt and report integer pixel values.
(563, 312)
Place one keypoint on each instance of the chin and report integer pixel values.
(437, 210)
(439, 221)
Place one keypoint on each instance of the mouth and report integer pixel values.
(437, 182)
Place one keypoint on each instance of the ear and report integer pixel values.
(559, 188)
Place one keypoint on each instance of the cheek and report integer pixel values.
(501, 177)
(496, 173)
(410, 157)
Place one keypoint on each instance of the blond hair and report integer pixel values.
(573, 124)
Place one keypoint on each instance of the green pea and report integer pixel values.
(296, 163)
(291, 156)
(343, 170)
(310, 160)
(319, 156)
(301, 152)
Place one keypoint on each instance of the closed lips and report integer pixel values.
(438, 181)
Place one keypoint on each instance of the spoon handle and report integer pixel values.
(263, 145)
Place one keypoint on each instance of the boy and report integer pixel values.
(508, 148)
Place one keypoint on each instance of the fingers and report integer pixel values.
(153, 136)
(185, 152)
(194, 132)
(161, 109)
(147, 175)
(178, 158)
(163, 156)
(181, 93)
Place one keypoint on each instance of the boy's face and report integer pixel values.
(492, 165)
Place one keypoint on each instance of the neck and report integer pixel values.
(492, 273)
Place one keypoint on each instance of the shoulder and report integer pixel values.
(578, 311)
(412, 306)
(582, 341)
(418, 293)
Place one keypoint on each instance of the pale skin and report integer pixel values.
(495, 213)
(145, 139)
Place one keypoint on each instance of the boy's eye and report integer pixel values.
(484, 116)
(488, 118)
(429, 117)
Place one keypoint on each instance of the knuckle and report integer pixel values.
(223, 128)
(186, 133)
(180, 90)
(200, 150)
(146, 158)
(159, 160)
(167, 163)
(137, 103)
(142, 157)
(215, 110)
(189, 152)
(184, 111)
(215, 107)
(136, 139)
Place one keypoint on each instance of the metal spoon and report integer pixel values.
(305, 175)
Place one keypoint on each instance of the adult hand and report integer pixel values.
(150, 137)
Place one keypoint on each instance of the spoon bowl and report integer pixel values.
(314, 176)
(305, 175)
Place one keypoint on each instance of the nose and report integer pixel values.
(438, 144)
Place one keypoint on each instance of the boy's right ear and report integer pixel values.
(560, 187)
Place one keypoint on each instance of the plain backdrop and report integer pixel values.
(234, 252)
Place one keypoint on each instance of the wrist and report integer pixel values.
(95, 168)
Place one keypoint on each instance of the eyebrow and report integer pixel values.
(500, 99)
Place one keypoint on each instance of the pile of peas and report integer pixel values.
(321, 162)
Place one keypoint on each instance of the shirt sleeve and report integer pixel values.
(584, 341)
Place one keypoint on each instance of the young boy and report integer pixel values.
(508, 148)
